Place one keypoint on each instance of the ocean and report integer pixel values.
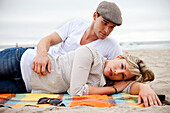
(124, 45)
(145, 45)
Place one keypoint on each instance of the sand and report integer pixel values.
(157, 60)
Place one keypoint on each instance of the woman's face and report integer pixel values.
(117, 69)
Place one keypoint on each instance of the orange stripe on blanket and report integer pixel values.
(91, 100)
(131, 104)
(6, 97)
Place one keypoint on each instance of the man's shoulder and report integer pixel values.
(108, 44)
(78, 21)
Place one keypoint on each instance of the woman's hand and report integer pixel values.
(121, 85)
(148, 96)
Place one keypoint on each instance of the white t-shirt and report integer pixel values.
(26, 66)
(71, 34)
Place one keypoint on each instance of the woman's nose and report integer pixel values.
(116, 72)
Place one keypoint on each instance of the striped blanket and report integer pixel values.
(28, 99)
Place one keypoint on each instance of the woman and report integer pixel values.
(81, 72)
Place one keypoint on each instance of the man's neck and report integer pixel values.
(89, 36)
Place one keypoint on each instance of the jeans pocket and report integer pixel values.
(16, 54)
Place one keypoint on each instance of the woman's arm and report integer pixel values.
(145, 93)
(121, 85)
(82, 62)
(101, 90)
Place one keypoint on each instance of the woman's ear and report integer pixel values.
(94, 15)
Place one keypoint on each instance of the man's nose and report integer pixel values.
(106, 29)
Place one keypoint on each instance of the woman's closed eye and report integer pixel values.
(123, 76)
(122, 65)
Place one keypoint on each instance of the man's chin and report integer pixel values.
(102, 38)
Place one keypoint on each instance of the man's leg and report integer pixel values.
(10, 73)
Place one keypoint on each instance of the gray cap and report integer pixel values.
(110, 11)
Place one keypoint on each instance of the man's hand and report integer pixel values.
(41, 60)
(148, 96)
(40, 63)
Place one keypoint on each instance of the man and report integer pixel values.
(77, 33)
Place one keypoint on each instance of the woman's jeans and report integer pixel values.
(10, 74)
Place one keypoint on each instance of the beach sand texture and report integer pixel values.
(157, 60)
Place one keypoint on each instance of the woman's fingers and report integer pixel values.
(155, 101)
(150, 100)
(158, 101)
(139, 100)
(145, 101)
(148, 96)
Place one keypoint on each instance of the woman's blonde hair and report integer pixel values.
(139, 69)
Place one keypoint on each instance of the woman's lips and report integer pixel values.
(110, 72)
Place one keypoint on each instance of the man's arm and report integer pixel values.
(145, 93)
(41, 60)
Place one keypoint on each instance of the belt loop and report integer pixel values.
(17, 54)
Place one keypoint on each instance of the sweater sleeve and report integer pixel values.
(80, 71)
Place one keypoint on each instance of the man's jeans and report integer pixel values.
(10, 74)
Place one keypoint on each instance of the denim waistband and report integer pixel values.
(19, 52)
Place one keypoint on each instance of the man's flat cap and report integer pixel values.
(110, 11)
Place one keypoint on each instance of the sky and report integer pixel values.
(25, 20)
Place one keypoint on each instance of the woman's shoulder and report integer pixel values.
(89, 50)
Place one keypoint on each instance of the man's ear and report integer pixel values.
(94, 15)
(117, 57)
